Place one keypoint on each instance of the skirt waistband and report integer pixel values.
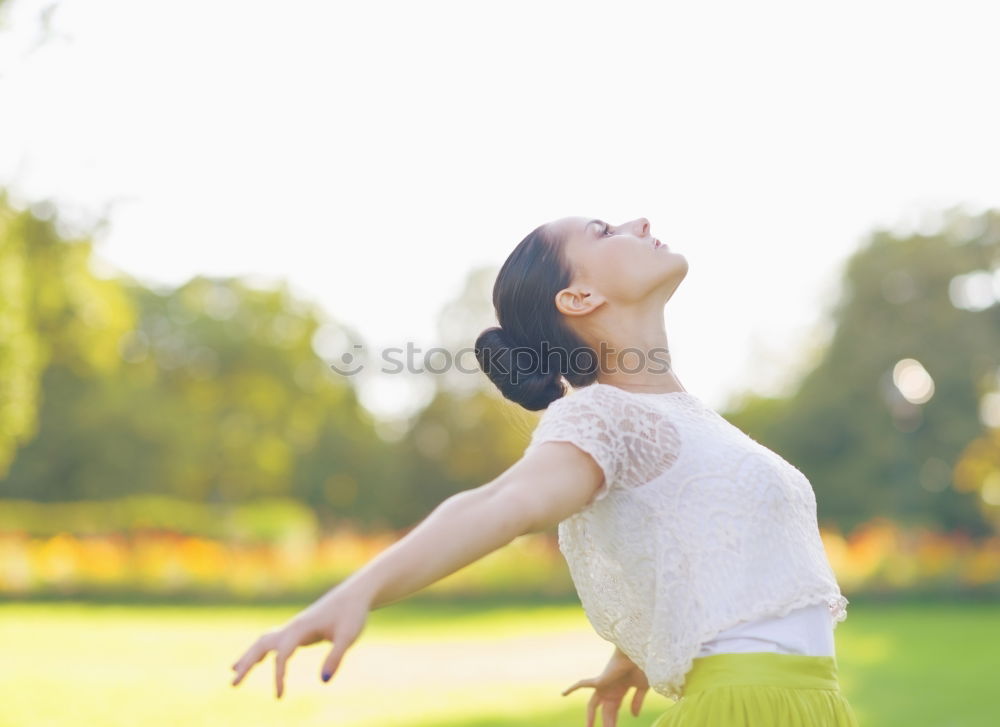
(762, 668)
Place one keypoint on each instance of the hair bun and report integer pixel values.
(530, 386)
(503, 335)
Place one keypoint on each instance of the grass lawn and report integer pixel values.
(433, 666)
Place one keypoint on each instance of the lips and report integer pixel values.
(657, 243)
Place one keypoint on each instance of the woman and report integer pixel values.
(693, 548)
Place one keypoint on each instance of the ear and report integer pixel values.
(577, 301)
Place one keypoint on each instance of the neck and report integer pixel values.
(636, 355)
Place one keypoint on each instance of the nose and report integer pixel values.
(641, 226)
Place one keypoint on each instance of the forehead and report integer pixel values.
(570, 227)
(574, 233)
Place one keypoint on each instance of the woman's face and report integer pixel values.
(622, 264)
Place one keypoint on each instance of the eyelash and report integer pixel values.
(607, 231)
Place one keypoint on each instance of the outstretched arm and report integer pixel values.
(545, 486)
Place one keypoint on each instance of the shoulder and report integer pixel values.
(590, 396)
(580, 407)
(590, 416)
(633, 437)
(609, 403)
(593, 405)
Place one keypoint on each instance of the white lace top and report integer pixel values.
(696, 528)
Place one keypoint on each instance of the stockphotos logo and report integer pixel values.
(514, 362)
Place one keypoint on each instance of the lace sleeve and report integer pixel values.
(576, 418)
(631, 442)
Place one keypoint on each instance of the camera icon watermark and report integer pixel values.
(515, 362)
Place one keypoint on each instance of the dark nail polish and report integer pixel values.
(326, 677)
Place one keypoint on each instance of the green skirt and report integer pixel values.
(761, 689)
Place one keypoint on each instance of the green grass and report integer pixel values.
(420, 665)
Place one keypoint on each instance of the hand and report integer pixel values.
(610, 687)
(337, 616)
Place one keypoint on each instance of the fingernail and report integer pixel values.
(326, 677)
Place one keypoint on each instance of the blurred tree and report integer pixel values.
(45, 27)
(217, 390)
(460, 440)
(459, 323)
(53, 309)
(468, 434)
(880, 424)
(221, 397)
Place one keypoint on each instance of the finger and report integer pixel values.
(609, 714)
(575, 686)
(281, 657)
(592, 709)
(332, 661)
(640, 693)
(244, 659)
(252, 656)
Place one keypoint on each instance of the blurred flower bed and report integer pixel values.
(275, 549)
(154, 546)
(166, 563)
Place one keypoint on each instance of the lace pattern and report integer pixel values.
(696, 527)
(631, 442)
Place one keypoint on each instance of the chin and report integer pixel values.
(678, 263)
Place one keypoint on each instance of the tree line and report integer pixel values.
(213, 391)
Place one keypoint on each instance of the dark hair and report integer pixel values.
(532, 349)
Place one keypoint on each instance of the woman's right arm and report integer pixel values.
(548, 484)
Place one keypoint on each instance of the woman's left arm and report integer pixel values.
(611, 686)
(619, 654)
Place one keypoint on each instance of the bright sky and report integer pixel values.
(373, 153)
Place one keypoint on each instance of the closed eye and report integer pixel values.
(607, 230)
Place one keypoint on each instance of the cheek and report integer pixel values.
(623, 274)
